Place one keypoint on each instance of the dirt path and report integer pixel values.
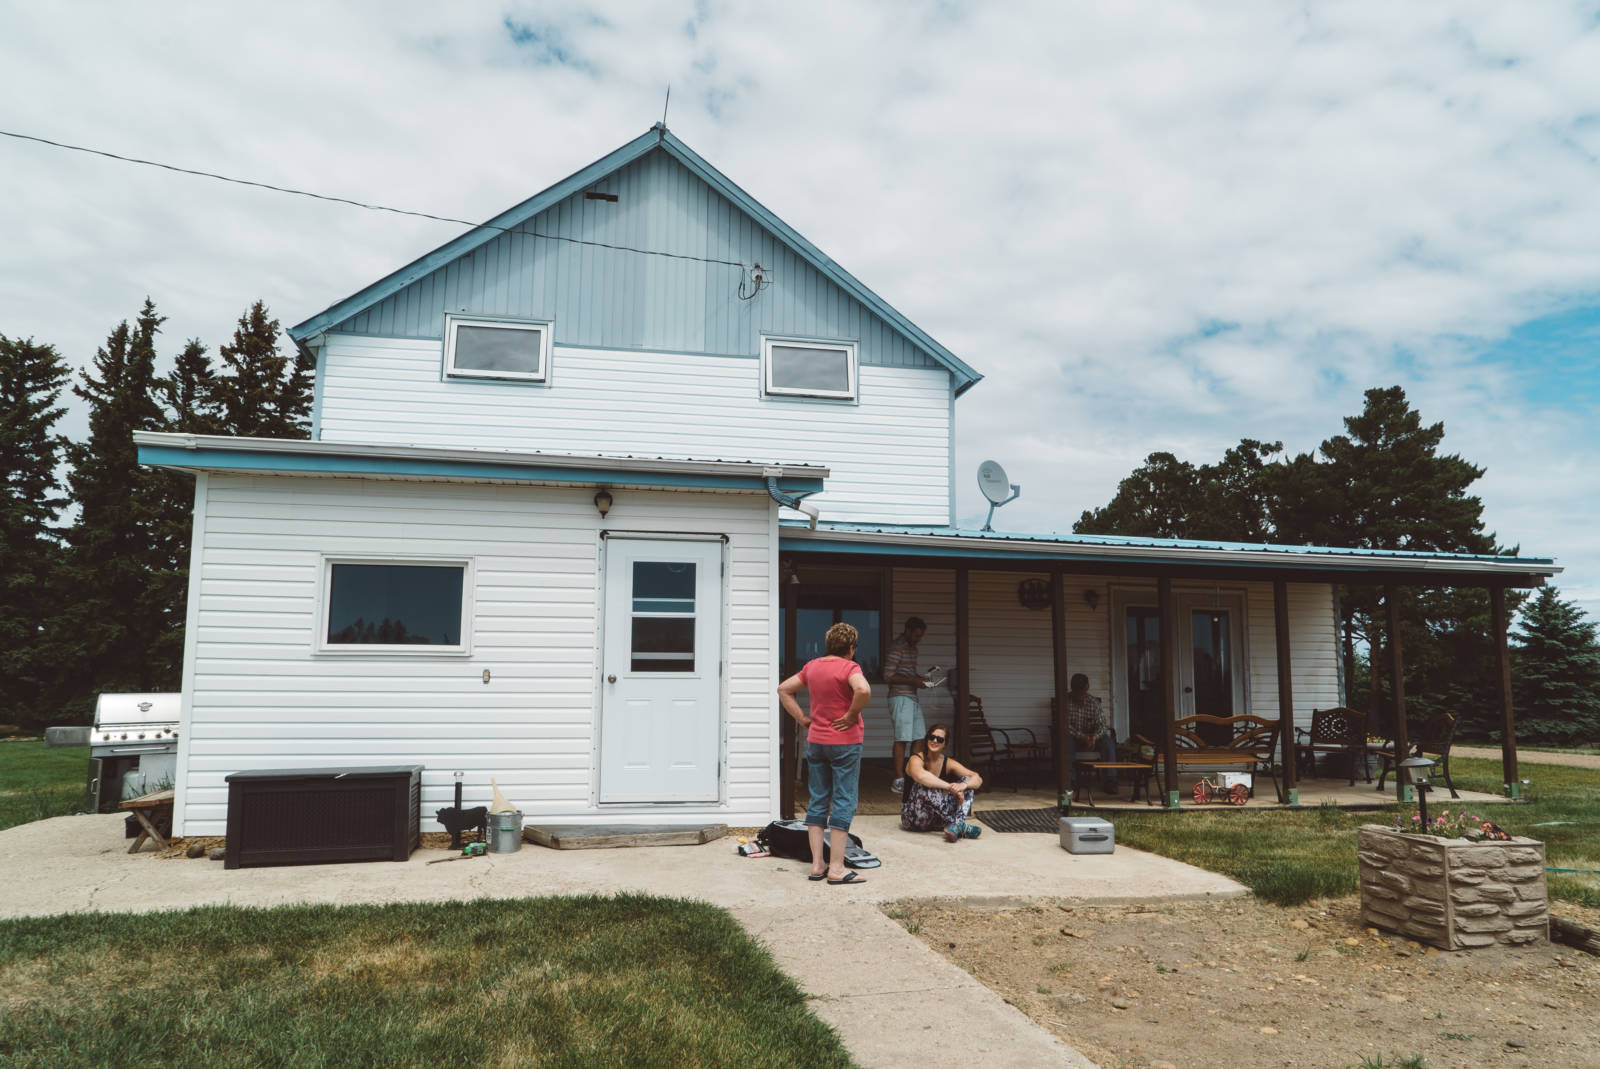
(1241, 984)
(1531, 757)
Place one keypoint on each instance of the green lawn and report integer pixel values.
(1294, 856)
(594, 981)
(37, 782)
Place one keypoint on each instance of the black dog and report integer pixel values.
(456, 821)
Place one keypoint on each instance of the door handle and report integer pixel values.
(611, 679)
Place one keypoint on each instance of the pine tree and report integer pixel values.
(31, 379)
(259, 392)
(114, 630)
(1556, 673)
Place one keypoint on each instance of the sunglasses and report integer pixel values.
(936, 738)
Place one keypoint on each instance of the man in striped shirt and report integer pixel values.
(900, 672)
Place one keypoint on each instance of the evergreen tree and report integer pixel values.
(31, 379)
(260, 392)
(114, 630)
(1556, 673)
(1170, 498)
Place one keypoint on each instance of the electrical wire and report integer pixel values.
(370, 207)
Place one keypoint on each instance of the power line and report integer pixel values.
(362, 204)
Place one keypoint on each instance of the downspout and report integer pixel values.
(790, 502)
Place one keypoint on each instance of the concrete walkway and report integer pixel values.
(879, 986)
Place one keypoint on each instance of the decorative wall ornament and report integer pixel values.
(1034, 593)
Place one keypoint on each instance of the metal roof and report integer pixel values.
(958, 542)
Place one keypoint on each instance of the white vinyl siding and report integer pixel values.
(258, 696)
(890, 453)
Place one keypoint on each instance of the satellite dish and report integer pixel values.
(992, 481)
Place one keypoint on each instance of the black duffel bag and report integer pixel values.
(788, 838)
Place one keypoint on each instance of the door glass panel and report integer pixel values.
(1213, 662)
(663, 616)
(1144, 673)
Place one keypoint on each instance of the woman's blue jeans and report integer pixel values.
(833, 779)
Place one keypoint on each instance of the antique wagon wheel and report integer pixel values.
(1239, 794)
(1202, 792)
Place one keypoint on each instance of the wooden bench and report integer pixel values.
(1252, 745)
(151, 810)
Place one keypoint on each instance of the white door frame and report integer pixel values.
(719, 796)
(1185, 601)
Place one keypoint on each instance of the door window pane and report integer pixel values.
(394, 605)
(663, 616)
(1144, 673)
(1213, 662)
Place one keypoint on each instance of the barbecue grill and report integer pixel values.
(133, 746)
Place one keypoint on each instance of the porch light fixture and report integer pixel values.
(602, 502)
(1418, 770)
(1091, 598)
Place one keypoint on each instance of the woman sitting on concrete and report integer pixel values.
(939, 789)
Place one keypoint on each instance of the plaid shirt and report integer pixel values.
(902, 660)
(1086, 716)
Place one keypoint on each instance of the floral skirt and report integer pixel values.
(925, 809)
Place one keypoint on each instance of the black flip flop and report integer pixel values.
(815, 876)
(850, 877)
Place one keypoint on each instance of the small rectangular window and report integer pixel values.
(798, 368)
(378, 606)
(515, 350)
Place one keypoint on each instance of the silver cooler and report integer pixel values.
(1087, 835)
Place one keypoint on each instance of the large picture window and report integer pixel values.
(478, 348)
(798, 368)
(829, 596)
(374, 606)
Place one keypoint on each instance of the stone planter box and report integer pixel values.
(1453, 894)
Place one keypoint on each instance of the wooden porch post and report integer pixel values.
(1508, 719)
(963, 663)
(1391, 604)
(1058, 646)
(1169, 686)
(1280, 617)
(788, 744)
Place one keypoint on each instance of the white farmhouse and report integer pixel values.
(545, 530)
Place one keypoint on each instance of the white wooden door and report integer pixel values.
(661, 671)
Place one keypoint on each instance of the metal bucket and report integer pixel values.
(505, 832)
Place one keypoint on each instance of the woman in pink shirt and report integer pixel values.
(838, 692)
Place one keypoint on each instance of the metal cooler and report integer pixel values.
(1087, 835)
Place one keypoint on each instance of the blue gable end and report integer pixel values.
(667, 200)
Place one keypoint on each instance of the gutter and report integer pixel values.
(789, 501)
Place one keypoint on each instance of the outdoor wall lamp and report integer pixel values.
(602, 501)
(1091, 598)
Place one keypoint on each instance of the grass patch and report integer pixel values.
(1294, 856)
(593, 981)
(37, 782)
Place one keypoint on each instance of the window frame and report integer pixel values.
(545, 327)
(322, 646)
(852, 363)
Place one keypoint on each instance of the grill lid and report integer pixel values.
(136, 718)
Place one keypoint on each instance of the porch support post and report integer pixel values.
(1058, 646)
(1280, 618)
(963, 662)
(1169, 687)
(788, 745)
(1397, 674)
(1508, 719)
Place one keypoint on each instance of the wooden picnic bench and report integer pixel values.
(1252, 745)
(153, 812)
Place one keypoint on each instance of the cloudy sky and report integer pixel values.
(1150, 225)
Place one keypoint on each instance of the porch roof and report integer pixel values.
(1125, 555)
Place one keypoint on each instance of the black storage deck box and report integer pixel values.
(315, 816)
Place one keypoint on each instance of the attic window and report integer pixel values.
(794, 367)
(594, 195)
(479, 348)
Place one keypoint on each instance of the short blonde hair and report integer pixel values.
(840, 638)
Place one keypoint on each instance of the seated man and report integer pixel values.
(1090, 729)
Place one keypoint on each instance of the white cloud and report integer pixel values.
(1151, 225)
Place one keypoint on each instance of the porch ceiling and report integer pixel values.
(1177, 559)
